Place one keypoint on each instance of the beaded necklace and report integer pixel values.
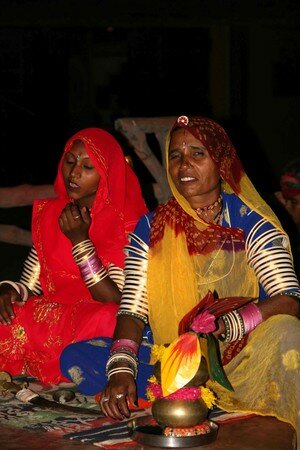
(209, 209)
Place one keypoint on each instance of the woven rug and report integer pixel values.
(95, 429)
(92, 429)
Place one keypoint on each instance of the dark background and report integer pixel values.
(66, 65)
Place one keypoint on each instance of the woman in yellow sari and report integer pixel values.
(216, 234)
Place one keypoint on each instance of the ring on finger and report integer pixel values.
(118, 396)
(76, 217)
(104, 399)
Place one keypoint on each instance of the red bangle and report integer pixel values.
(251, 316)
(124, 344)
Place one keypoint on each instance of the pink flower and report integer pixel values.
(185, 393)
(154, 390)
(204, 323)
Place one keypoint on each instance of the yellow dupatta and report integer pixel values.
(177, 277)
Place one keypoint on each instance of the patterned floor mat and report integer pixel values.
(102, 431)
(89, 426)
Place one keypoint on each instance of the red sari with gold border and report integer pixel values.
(66, 311)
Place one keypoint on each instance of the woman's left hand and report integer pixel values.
(75, 223)
(220, 328)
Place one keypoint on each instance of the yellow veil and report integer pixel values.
(178, 278)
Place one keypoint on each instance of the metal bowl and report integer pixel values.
(179, 413)
(152, 435)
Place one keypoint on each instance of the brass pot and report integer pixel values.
(179, 413)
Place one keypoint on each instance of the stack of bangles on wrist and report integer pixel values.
(20, 288)
(90, 266)
(122, 351)
(240, 322)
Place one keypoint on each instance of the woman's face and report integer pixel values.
(80, 175)
(292, 206)
(192, 170)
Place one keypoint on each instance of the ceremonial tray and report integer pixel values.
(152, 435)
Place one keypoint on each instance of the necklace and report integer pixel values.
(209, 209)
(217, 217)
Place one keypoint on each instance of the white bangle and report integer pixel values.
(23, 292)
(19, 287)
(120, 370)
(13, 284)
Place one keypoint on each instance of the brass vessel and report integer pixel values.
(179, 413)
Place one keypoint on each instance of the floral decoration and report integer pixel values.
(154, 392)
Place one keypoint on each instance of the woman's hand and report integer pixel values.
(220, 328)
(8, 296)
(75, 223)
(118, 393)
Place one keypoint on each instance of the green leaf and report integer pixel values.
(215, 369)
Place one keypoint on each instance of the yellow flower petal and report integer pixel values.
(180, 362)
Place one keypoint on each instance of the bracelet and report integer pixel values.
(95, 278)
(125, 344)
(234, 327)
(23, 292)
(295, 294)
(83, 250)
(136, 315)
(124, 351)
(251, 316)
(120, 370)
(121, 359)
(91, 268)
(19, 287)
(13, 284)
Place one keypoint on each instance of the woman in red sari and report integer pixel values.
(70, 286)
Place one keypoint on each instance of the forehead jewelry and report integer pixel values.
(183, 120)
(78, 157)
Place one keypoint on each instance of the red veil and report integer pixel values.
(117, 207)
(66, 312)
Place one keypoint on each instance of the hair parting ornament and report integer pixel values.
(183, 120)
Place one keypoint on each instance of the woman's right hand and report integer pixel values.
(8, 296)
(75, 223)
(118, 394)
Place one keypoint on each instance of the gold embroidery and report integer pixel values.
(19, 333)
(47, 312)
(291, 360)
(243, 210)
(14, 345)
(98, 343)
(53, 342)
(273, 391)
